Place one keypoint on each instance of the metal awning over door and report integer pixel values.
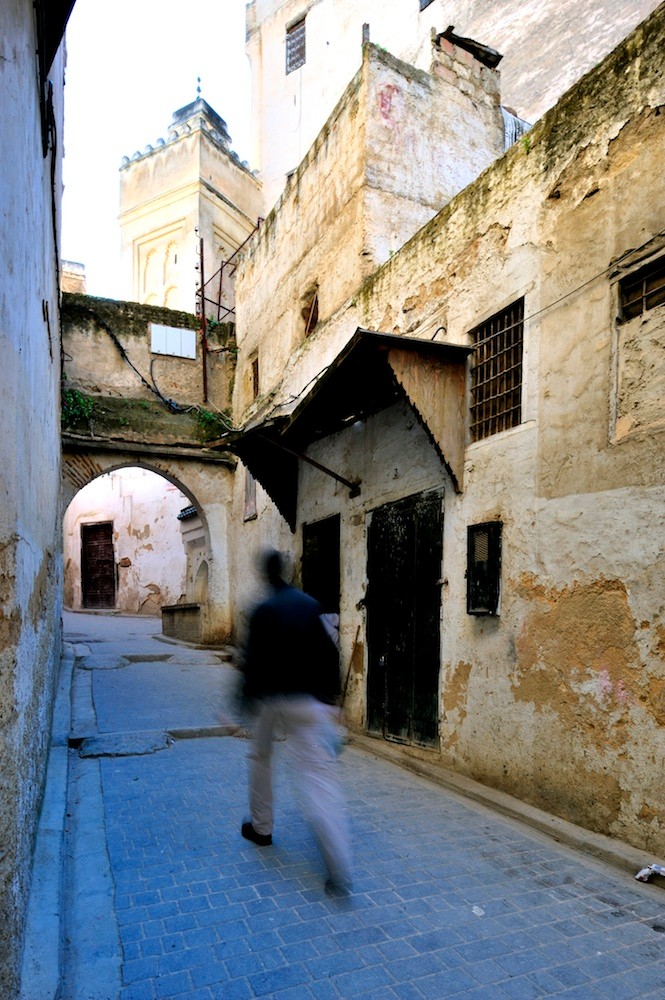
(373, 371)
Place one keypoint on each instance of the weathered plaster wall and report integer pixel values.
(356, 198)
(149, 554)
(557, 700)
(208, 486)
(94, 363)
(391, 456)
(547, 46)
(30, 546)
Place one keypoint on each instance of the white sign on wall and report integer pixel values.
(172, 340)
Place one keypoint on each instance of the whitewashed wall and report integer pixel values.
(148, 548)
(30, 534)
(547, 46)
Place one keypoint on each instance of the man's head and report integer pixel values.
(273, 566)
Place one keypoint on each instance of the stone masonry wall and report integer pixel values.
(559, 699)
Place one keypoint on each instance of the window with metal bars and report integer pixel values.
(496, 373)
(295, 46)
(483, 573)
(642, 290)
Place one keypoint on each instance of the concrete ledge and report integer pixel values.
(614, 852)
(225, 653)
(202, 732)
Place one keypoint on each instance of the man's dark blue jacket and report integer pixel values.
(288, 650)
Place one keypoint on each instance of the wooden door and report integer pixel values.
(97, 566)
(405, 546)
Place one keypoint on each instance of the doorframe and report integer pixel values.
(440, 490)
(97, 524)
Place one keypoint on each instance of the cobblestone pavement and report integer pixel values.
(449, 899)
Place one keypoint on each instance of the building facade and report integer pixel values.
(31, 99)
(484, 409)
(304, 52)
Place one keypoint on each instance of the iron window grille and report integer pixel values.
(483, 575)
(642, 290)
(295, 46)
(496, 373)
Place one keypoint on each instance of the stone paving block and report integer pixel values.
(142, 968)
(138, 991)
(333, 965)
(239, 989)
(524, 988)
(173, 985)
(362, 981)
(270, 983)
(406, 991)
(133, 950)
(243, 966)
(146, 949)
(184, 959)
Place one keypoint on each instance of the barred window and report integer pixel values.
(295, 46)
(643, 289)
(496, 373)
(483, 574)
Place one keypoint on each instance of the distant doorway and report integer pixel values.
(405, 548)
(97, 566)
(320, 563)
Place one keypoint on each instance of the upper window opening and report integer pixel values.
(255, 377)
(496, 374)
(295, 46)
(643, 289)
(310, 312)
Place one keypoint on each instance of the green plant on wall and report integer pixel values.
(76, 408)
(212, 425)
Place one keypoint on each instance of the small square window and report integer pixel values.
(642, 290)
(483, 575)
(295, 46)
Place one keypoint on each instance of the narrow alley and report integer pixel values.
(164, 898)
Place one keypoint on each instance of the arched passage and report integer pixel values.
(195, 501)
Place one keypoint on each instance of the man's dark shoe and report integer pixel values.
(261, 839)
(338, 887)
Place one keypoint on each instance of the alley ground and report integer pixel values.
(164, 898)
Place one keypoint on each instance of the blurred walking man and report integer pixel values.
(292, 675)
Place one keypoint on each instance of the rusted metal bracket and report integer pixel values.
(353, 487)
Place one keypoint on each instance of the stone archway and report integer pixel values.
(207, 483)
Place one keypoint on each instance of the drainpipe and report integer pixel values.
(204, 325)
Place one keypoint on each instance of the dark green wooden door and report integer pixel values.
(405, 546)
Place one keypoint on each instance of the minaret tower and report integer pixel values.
(188, 188)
